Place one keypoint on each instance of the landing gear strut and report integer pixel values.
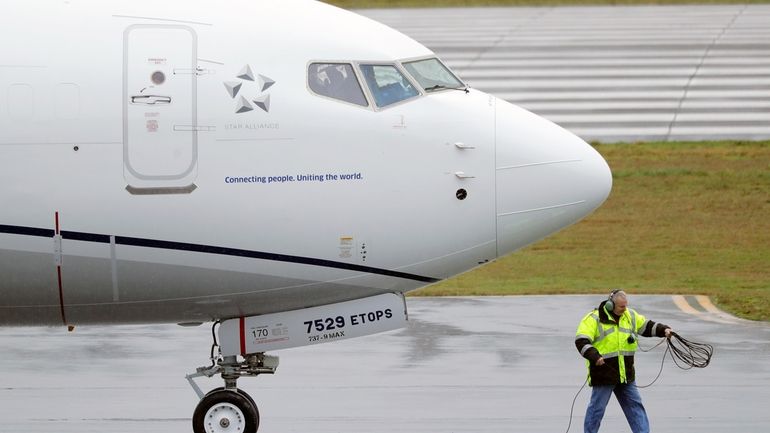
(228, 409)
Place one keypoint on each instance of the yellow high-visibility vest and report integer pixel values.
(611, 339)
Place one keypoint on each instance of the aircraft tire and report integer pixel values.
(240, 391)
(223, 411)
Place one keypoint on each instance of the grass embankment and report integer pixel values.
(363, 4)
(682, 218)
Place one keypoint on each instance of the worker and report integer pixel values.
(607, 339)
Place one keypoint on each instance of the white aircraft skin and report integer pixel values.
(116, 210)
(186, 162)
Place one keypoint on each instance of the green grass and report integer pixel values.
(682, 218)
(361, 4)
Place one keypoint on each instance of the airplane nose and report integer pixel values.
(547, 178)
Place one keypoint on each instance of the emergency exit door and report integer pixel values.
(160, 142)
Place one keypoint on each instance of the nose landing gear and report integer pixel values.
(245, 340)
(229, 409)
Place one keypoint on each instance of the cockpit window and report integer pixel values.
(388, 84)
(336, 80)
(433, 75)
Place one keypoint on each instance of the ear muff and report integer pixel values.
(610, 304)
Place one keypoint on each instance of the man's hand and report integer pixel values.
(668, 332)
(600, 362)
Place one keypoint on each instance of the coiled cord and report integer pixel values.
(691, 354)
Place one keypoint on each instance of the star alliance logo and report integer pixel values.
(244, 104)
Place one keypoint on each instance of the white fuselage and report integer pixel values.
(128, 196)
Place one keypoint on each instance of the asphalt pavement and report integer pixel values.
(613, 73)
(495, 364)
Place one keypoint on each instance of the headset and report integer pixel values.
(610, 306)
(611, 299)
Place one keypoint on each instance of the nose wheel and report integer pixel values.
(226, 411)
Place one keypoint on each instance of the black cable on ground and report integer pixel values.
(573, 404)
(689, 353)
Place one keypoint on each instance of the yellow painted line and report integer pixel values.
(715, 316)
(681, 302)
(705, 302)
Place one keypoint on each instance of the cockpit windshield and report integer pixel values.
(336, 80)
(432, 75)
(387, 84)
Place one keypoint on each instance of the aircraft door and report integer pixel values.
(160, 142)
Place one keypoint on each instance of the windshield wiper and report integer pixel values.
(442, 87)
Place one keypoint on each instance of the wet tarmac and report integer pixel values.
(612, 73)
(498, 364)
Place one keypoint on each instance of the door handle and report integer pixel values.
(462, 175)
(197, 71)
(151, 100)
(461, 145)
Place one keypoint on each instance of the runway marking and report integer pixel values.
(706, 303)
(540, 59)
(712, 313)
(681, 302)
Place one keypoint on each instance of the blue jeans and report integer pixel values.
(630, 401)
